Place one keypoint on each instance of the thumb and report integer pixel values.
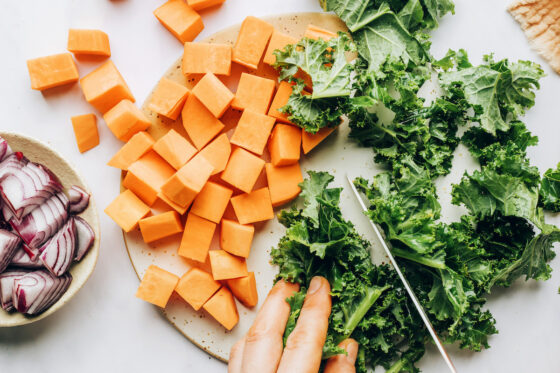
(344, 363)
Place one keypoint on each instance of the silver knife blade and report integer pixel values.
(409, 290)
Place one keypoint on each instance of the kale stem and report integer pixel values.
(434, 263)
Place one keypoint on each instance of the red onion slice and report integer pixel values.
(36, 291)
(23, 260)
(9, 244)
(57, 254)
(5, 149)
(6, 287)
(79, 199)
(84, 237)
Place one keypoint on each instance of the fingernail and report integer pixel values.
(315, 285)
(352, 349)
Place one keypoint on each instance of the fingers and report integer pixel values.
(236, 356)
(263, 342)
(305, 345)
(344, 363)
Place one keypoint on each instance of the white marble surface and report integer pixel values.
(104, 328)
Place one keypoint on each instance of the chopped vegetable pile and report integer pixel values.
(451, 266)
(40, 233)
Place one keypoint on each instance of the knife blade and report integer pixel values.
(409, 290)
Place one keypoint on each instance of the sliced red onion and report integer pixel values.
(84, 237)
(23, 260)
(79, 199)
(9, 244)
(57, 254)
(43, 222)
(6, 287)
(5, 149)
(36, 291)
(25, 186)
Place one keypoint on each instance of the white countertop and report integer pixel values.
(105, 328)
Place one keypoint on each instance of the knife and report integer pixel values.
(417, 304)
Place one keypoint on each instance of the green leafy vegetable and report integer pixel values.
(550, 189)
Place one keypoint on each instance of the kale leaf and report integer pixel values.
(550, 189)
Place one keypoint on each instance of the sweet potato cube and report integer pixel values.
(213, 94)
(280, 100)
(283, 183)
(211, 202)
(253, 93)
(159, 226)
(201, 58)
(175, 149)
(311, 140)
(284, 145)
(245, 289)
(236, 238)
(157, 286)
(315, 32)
(279, 41)
(92, 42)
(203, 4)
(252, 131)
(52, 71)
(201, 125)
(253, 207)
(243, 170)
(251, 42)
(125, 119)
(85, 130)
(197, 238)
(181, 210)
(138, 145)
(126, 210)
(217, 153)
(226, 266)
(222, 307)
(105, 87)
(196, 287)
(147, 175)
(168, 98)
(188, 181)
(180, 19)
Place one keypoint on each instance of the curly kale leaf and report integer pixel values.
(550, 189)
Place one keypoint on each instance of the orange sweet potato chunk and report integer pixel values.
(279, 41)
(211, 202)
(284, 145)
(105, 87)
(203, 4)
(243, 170)
(253, 93)
(175, 149)
(147, 175)
(222, 307)
(125, 120)
(213, 94)
(280, 100)
(197, 238)
(311, 140)
(251, 42)
(168, 98)
(196, 287)
(180, 19)
(159, 226)
(92, 42)
(157, 286)
(85, 130)
(201, 125)
(252, 131)
(217, 153)
(187, 182)
(245, 289)
(236, 238)
(138, 145)
(226, 266)
(283, 183)
(52, 71)
(126, 210)
(201, 58)
(253, 207)
(315, 32)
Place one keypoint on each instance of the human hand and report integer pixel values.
(262, 351)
